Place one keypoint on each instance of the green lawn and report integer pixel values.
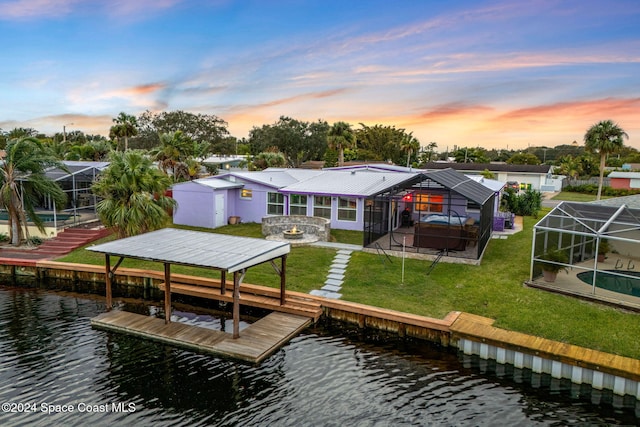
(493, 289)
(576, 197)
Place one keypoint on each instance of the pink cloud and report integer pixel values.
(21, 9)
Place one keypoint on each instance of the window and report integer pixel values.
(246, 193)
(297, 204)
(347, 209)
(322, 206)
(275, 204)
(429, 202)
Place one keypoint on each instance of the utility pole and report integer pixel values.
(64, 133)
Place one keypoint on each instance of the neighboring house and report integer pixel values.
(535, 177)
(494, 185)
(226, 163)
(624, 180)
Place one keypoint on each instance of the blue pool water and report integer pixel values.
(44, 217)
(611, 282)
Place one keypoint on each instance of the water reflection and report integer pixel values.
(50, 354)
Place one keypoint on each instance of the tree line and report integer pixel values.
(150, 152)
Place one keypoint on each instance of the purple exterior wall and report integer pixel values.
(196, 205)
(253, 209)
(357, 225)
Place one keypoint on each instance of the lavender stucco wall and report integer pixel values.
(254, 209)
(195, 205)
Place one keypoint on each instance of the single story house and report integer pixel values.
(535, 177)
(624, 180)
(361, 198)
(336, 195)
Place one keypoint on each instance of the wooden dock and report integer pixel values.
(256, 342)
(250, 295)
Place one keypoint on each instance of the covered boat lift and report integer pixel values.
(227, 254)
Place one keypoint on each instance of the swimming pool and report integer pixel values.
(612, 282)
(45, 217)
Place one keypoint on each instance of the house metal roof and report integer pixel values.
(273, 177)
(494, 167)
(195, 248)
(216, 184)
(375, 167)
(356, 183)
(461, 184)
(491, 184)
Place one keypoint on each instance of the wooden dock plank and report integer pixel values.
(292, 306)
(256, 342)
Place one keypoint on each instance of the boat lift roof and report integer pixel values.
(196, 248)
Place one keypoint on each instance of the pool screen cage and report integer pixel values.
(464, 205)
(581, 231)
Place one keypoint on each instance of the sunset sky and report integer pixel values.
(492, 74)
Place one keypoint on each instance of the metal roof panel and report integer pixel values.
(196, 248)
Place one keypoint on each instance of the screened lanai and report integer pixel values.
(439, 213)
(600, 247)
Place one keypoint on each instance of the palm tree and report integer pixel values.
(23, 183)
(410, 145)
(174, 151)
(570, 166)
(125, 126)
(341, 136)
(267, 159)
(133, 194)
(604, 138)
(430, 148)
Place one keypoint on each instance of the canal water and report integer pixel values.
(56, 370)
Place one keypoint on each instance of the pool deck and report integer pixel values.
(568, 283)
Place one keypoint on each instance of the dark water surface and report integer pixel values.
(50, 355)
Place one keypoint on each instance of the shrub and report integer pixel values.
(554, 255)
(35, 240)
(527, 203)
(606, 191)
(4, 237)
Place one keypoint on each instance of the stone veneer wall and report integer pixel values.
(317, 226)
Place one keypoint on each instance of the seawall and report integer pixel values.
(471, 334)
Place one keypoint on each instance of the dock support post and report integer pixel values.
(283, 279)
(236, 305)
(167, 293)
(107, 280)
(223, 282)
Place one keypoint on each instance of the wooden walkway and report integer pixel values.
(256, 342)
(250, 295)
